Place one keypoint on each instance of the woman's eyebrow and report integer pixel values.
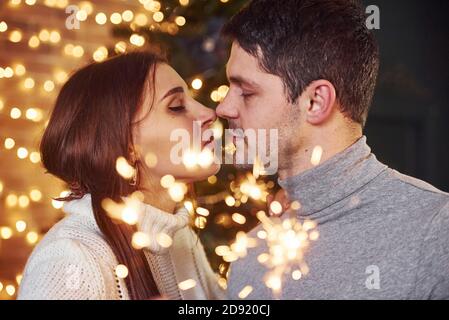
(172, 92)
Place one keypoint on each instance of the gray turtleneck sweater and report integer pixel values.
(383, 235)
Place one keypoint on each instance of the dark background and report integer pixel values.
(408, 124)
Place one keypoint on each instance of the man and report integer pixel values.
(308, 68)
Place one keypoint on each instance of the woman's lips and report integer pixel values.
(209, 143)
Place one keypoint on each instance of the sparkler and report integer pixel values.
(287, 241)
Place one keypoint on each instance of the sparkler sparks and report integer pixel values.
(287, 240)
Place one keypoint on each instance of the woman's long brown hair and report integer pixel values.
(90, 127)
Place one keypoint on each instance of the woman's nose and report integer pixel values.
(207, 117)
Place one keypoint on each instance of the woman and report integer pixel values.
(125, 107)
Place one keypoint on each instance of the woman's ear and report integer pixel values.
(321, 98)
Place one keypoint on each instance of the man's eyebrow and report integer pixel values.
(173, 91)
(243, 81)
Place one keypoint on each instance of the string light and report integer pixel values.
(101, 18)
(197, 84)
(21, 225)
(187, 284)
(15, 113)
(3, 26)
(121, 271)
(5, 233)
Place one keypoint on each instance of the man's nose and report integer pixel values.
(226, 110)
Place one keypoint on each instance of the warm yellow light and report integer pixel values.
(44, 35)
(22, 153)
(2, 104)
(15, 2)
(120, 47)
(10, 290)
(127, 15)
(202, 212)
(15, 113)
(239, 218)
(9, 143)
(20, 69)
(230, 201)
(101, 18)
(34, 42)
(153, 6)
(212, 179)
(245, 292)
(21, 226)
(200, 222)
(100, 54)
(116, 18)
(68, 49)
(32, 237)
(49, 86)
(215, 96)
(164, 240)
(180, 21)
(35, 157)
(3, 26)
(78, 51)
(1, 187)
(8, 72)
(158, 16)
(15, 36)
(296, 275)
(87, 7)
(189, 159)
(141, 19)
(34, 114)
(151, 160)
(55, 37)
(24, 201)
(167, 181)
(187, 284)
(123, 168)
(35, 195)
(11, 200)
(60, 76)
(317, 154)
(130, 215)
(137, 40)
(121, 271)
(177, 191)
(184, 2)
(223, 91)
(81, 15)
(5, 233)
(276, 207)
(140, 240)
(29, 83)
(197, 84)
(30, 2)
(57, 204)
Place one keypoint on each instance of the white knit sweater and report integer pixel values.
(74, 261)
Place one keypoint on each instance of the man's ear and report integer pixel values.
(320, 98)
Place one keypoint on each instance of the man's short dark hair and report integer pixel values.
(306, 40)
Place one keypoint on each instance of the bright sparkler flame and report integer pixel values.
(287, 240)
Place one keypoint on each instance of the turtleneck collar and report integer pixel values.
(152, 221)
(333, 180)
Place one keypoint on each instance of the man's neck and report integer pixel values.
(301, 161)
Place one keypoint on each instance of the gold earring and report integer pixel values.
(134, 179)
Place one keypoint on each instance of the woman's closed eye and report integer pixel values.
(177, 109)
